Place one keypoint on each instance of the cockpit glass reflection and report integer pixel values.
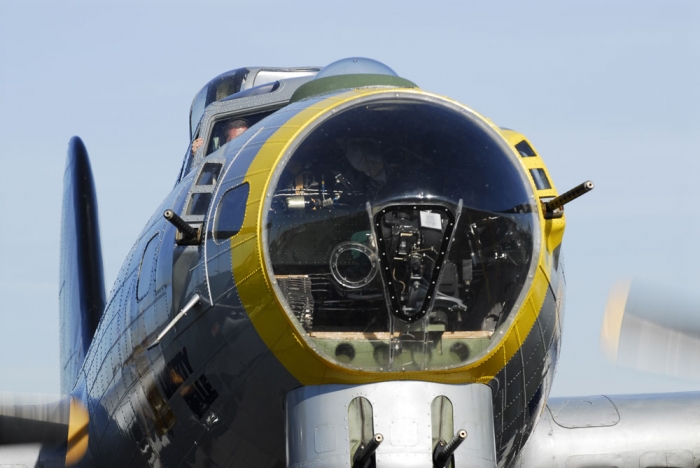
(400, 235)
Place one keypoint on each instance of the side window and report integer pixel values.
(225, 131)
(540, 178)
(230, 213)
(227, 128)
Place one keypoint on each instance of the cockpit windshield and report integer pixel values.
(229, 128)
(401, 235)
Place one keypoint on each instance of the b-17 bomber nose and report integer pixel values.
(399, 234)
(350, 271)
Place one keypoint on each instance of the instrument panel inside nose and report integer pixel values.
(401, 235)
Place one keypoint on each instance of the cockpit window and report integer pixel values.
(231, 128)
(540, 178)
(403, 230)
(225, 131)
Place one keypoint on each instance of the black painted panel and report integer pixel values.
(548, 318)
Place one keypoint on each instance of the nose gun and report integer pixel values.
(553, 208)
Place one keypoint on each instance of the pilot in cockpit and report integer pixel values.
(232, 130)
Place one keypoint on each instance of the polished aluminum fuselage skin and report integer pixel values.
(211, 390)
(622, 431)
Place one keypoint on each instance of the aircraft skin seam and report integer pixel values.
(515, 419)
(225, 292)
(540, 364)
(242, 241)
(246, 278)
(220, 254)
(539, 342)
(197, 266)
(515, 377)
(516, 397)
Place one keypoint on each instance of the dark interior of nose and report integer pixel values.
(389, 213)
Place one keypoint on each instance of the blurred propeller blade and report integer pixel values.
(652, 328)
(57, 424)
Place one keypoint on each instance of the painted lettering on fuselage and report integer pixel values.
(199, 395)
(175, 373)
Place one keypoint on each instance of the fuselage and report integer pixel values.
(297, 289)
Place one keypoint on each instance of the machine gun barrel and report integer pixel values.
(188, 232)
(443, 451)
(365, 452)
(567, 197)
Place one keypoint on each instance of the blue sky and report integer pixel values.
(605, 90)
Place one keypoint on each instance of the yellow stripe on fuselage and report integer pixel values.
(276, 327)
